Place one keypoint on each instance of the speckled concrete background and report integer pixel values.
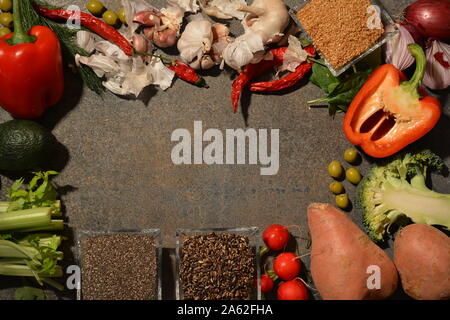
(117, 171)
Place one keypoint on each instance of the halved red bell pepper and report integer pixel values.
(31, 70)
(390, 113)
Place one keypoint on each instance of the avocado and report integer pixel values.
(24, 145)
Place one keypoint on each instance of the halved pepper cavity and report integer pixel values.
(31, 70)
(389, 113)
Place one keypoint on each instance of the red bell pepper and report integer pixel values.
(31, 70)
(390, 113)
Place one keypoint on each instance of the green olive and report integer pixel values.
(342, 201)
(6, 19)
(110, 17)
(335, 169)
(6, 5)
(337, 187)
(351, 155)
(353, 175)
(4, 31)
(121, 14)
(95, 7)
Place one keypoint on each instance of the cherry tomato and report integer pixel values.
(287, 266)
(292, 290)
(266, 283)
(276, 237)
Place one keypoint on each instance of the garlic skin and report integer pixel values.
(268, 18)
(86, 40)
(223, 9)
(264, 24)
(437, 75)
(295, 55)
(396, 49)
(195, 41)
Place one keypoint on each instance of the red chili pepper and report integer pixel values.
(92, 23)
(251, 71)
(187, 73)
(31, 70)
(287, 81)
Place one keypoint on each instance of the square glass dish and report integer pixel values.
(155, 234)
(253, 234)
(385, 19)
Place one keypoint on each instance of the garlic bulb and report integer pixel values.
(264, 24)
(396, 49)
(437, 75)
(195, 41)
(243, 50)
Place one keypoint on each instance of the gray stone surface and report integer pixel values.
(118, 166)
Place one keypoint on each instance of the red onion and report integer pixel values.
(431, 18)
(437, 75)
(418, 38)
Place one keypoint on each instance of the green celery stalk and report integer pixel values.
(31, 218)
(16, 270)
(4, 206)
(54, 225)
(44, 240)
(7, 251)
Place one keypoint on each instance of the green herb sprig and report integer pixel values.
(67, 38)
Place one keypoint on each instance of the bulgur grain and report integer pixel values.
(339, 28)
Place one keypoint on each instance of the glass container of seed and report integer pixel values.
(218, 264)
(119, 265)
(343, 31)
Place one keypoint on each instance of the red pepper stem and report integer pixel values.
(421, 61)
(19, 36)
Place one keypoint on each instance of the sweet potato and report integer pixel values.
(342, 256)
(422, 258)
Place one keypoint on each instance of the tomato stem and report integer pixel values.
(263, 251)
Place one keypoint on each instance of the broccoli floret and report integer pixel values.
(398, 189)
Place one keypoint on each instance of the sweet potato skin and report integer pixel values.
(340, 255)
(422, 258)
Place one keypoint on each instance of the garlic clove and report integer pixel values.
(165, 39)
(140, 43)
(147, 18)
(207, 62)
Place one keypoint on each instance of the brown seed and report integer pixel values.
(339, 28)
(212, 268)
(119, 267)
